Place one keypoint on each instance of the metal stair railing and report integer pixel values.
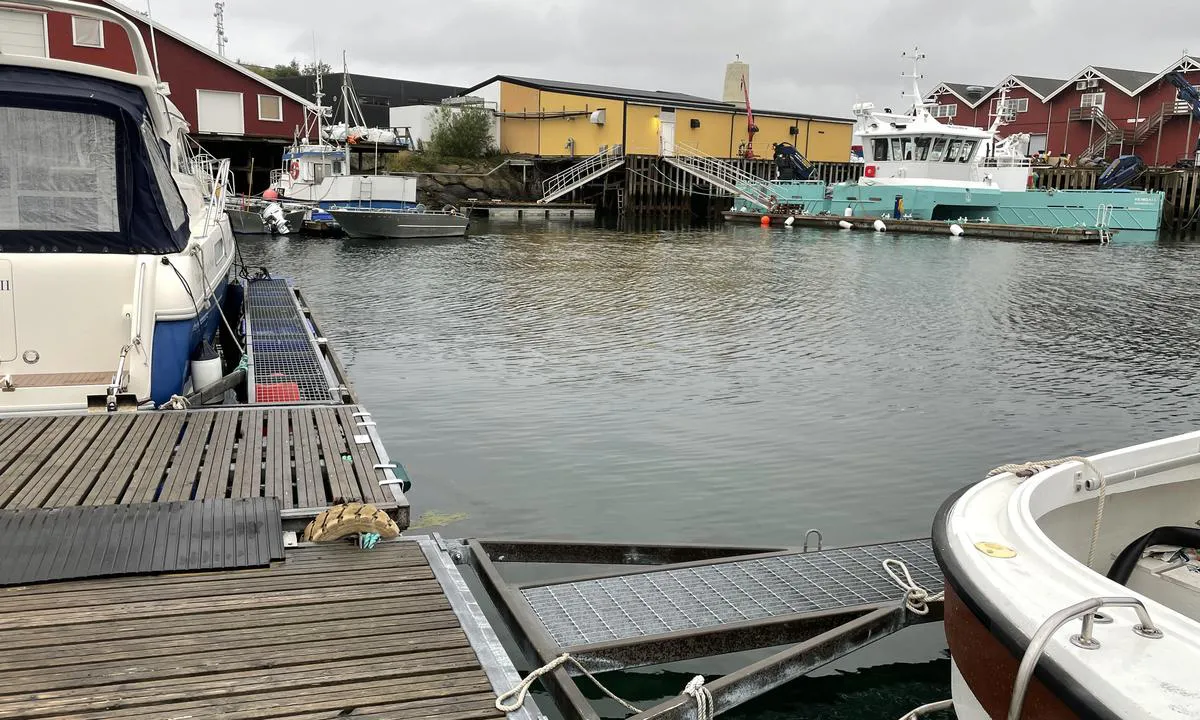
(724, 175)
(580, 173)
(1112, 133)
(1153, 123)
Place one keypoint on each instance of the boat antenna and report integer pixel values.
(318, 95)
(918, 102)
(153, 42)
(219, 14)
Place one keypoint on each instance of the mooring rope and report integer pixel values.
(521, 691)
(924, 710)
(916, 598)
(1031, 468)
(705, 709)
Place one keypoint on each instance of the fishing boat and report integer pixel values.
(360, 222)
(1073, 587)
(115, 248)
(915, 166)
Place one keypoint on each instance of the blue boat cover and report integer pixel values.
(84, 170)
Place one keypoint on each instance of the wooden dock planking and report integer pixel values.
(330, 632)
(304, 455)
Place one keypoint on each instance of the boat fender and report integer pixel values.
(879, 226)
(845, 224)
(294, 169)
(765, 220)
(848, 212)
(420, 207)
(789, 221)
(956, 230)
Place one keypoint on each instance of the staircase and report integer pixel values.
(1111, 133)
(723, 175)
(1153, 123)
(581, 173)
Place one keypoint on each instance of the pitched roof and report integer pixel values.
(1042, 87)
(961, 91)
(1128, 80)
(657, 97)
(159, 28)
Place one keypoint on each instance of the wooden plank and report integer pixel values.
(460, 707)
(45, 445)
(60, 466)
(214, 476)
(333, 445)
(43, 380)
(113, 475)
(181, 478)
(248, 468)
(88, 470)
(9, 427)
(310, 485)
(148, 475)
(365, 457)
(278, 458)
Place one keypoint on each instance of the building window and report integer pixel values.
(1012, 106)
(1095, 100)
(270, 107)
(87, 32)
(945, 111)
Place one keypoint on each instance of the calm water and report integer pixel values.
(741, 384)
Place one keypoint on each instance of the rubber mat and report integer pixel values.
(40, 545)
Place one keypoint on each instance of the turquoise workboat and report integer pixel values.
(917, 167)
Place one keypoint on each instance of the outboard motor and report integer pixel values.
(272, 215)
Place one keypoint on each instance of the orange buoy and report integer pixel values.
(269, 194)
(765, 220)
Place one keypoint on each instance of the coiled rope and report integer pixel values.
(521, 691)
(916, 598)
(1028, 469)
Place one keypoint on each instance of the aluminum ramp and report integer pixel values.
(827, 603)
(723, 175)
(285, 364)
(581, 173)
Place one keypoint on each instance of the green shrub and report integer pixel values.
(461, 133)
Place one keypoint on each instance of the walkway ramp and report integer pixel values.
(582, 173)
(285, 362)
(827, 603)
(723, 175)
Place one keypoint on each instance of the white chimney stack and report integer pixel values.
(736, 73)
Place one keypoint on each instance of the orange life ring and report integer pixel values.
(294, 169)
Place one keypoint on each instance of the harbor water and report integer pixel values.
(743, 384)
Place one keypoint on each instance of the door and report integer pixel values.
(8, 325)
(22, 33)
(1037, 144)
(220, 112)
(666, 132)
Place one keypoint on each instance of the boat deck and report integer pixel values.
(305, 455)
(329, 632)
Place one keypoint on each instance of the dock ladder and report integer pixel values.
(366, 190)
(724, 175)
(581, 173)
(1103, 220)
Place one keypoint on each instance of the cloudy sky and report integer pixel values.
(816, 56)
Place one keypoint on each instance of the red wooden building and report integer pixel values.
(1098, 112)
(232, 111)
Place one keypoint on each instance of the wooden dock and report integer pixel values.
(330, 632)
(305, 455)
(519, 210)
(927, 227)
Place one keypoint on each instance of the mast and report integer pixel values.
(918, 102)
(346, 106)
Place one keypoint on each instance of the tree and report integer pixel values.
(291, 69)
(314, 68)
(464, 132)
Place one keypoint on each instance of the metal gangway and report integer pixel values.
(580, 174)
(724, 175)
(683, 602)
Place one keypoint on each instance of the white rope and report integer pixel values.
(705, 708)
(916, 598)
(1028, 469)
(521, 691)
(924, 710)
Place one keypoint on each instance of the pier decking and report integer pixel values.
(329, 632)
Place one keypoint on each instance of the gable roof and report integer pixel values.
(159, 28)
(1128, 81)
(960, 91)
(654, 97)
(1042, 87)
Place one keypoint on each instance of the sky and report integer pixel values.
(810, 56)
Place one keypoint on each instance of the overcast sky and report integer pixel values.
(814, 56)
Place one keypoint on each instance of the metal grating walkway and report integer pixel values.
(652, 603)
(285, 363)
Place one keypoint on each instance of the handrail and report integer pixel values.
(141, 56)
(553, 185)
(1086, 609)
(135, 316)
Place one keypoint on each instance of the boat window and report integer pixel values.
(318, 172)
(923, 148)
(60, 172)
(938, 150)
(879, 151)
(967, 152)
(897, 149)
(907, 144)
(337, 167)
(952, 151)
(162, 175)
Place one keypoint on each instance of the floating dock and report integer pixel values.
(517, 210)
(930, 227)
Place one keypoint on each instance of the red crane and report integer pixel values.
(751, 128)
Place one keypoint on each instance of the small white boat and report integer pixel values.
(1078, 584)
(256, 216)
(365, 222)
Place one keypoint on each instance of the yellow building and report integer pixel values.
(559, 119)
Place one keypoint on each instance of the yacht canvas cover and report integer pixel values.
(81, 169)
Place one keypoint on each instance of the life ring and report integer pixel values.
(294, 169)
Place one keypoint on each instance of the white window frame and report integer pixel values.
(75, 31)
(278, 101)
(945, 111)
(1084, 100)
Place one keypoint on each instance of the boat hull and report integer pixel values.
(248, 222)
(399, 225)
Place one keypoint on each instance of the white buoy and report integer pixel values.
(879, 226)
(956, 230)
(845, 224)
(849, 212)
(206, 367)
(789, 221)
